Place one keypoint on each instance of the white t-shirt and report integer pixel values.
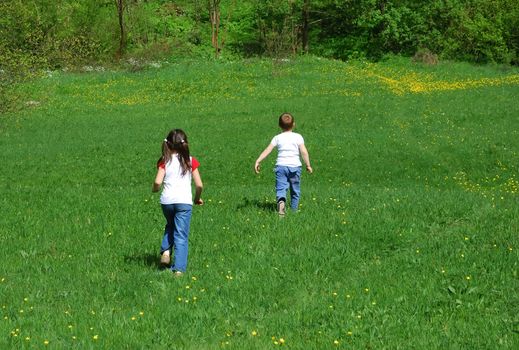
(288, 148)
(177, 188)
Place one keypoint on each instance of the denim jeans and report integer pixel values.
(288, 178)
(176, 233)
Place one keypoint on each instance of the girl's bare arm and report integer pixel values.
(158, 180)
(199, 186)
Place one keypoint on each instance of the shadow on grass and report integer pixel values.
(266, 206)
(150, 260)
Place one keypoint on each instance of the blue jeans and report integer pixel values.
(176, 233)
(288, 178)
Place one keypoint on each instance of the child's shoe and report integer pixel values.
(178, 274)
(165, 259)
(281, 208)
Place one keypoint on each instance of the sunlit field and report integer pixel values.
(407, 235)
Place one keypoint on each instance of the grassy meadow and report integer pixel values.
(407, 237)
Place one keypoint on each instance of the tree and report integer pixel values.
(214, 15)
(122, 33)
(305, 25)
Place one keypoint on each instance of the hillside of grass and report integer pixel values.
(407, 235)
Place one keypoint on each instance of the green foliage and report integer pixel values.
(63, 33)
(15, 68)
(240, 28)
(277, 23)
(473, 32)
(39, 35)
(476, 31)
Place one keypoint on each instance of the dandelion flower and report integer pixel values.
(254, 333)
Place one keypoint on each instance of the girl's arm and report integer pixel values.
(262, 156)
(306, 157)
(158, 179)
(199, 186)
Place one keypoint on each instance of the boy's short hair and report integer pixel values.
(286, 121)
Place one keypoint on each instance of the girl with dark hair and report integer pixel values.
(175, 171)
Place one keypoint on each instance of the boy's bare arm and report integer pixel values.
(262, 156)
(306, 157)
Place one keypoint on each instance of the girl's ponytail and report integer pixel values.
(166, 152)
(176, 142)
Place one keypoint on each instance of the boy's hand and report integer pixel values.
(257, 167)
(309, 169)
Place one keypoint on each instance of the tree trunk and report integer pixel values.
(122, 33)
(306, 20)
(214, 14)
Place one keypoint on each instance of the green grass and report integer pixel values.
(407, 235)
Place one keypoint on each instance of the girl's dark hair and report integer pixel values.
(176, 142)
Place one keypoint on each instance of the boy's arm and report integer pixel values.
(262, 156)
(158, 179)
(306, 157)
(199, 186)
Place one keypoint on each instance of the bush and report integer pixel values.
(425, 56)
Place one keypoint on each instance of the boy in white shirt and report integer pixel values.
(290, 147)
